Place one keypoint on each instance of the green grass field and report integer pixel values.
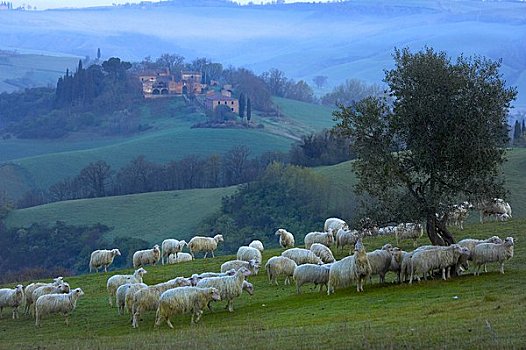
(149, 216)
(467, 312)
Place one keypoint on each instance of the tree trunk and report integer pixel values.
(437, 231)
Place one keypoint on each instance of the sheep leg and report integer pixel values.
(213, 254)
(230, 306)
(66, 319)
(196, 316)
(105, 268)
(205, 255)
(502, 268)
(210, 306)
(485, 267)
(298, 289)
(135, 321)
(444, 274)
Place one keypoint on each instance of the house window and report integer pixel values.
(218, 102)
(232, 102)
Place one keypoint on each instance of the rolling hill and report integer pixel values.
(155, 216)
(486, 311)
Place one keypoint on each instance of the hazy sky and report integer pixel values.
(47, 4)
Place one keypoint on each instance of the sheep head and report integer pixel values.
(214, 294)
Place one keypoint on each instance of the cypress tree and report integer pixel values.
(517, 132)
(249, 109)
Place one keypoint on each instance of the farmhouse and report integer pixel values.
(157, 84)
(215, 99)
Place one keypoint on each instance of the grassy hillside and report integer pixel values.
(464, 312)
(149, 216)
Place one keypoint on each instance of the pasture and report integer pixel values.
(486, 311)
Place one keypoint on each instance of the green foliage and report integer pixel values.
(441, 140)
(352, 90)
(324, 148)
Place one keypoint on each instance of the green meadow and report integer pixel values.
(468, 312)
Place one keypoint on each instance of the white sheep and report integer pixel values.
(386, 230)
(346, 237)
(57, 303)
(102, 257)
(280, 266)
(171, 246)
(252, 265)
(380, 261)
(229, 287)
(248, 253)
(458, 213)
(120, 295)
(495, 206)
(147, 299)
(49, 289)
(146, 256)
(425, 260)
(325, 238)
(28, 291)
(470, 244)
(130, 292)
(352, 268)
(323, 252)
(484, 253)
(204, 244)
(334, 224)
(200, 276)
(302, 256)
(286, 239)
(184, 300)
(257, 244)
(311, 273)
(117, 280)
(409, 231)
(11, 298)
(179, 258)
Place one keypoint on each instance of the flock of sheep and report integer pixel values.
(313, 264)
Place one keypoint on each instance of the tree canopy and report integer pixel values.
(441, 139)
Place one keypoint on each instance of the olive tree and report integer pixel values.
(441, 138)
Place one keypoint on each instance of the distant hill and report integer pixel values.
(152, 216)
(352, 39)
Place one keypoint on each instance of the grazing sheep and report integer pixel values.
(117, 280)
(229, 287)
(495, 206)
(325, 238)
(458, 213)
(147, 256)
(346, 237)
(120, 295)
(323, 252)
(311, 273)
(204, 244)
(248, 253)
(147, 299)
(352, 268)
(11, 298)
(62, 288)
(102, 257)
(200, 276)
(302, 256)
(409, 231)
(257, 244)
(184, 300)
(386, 231)
(28, 291)
(252, 265)
(484, 253)
(171, 246)
(286, 239)
(130, 292)
(179, 258)
(57, 303)
(470, 244)
(334, 224)
(280, 266)
(424, 261)
(380, 261)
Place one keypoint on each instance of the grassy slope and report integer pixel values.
(465, 312)
(149, 216)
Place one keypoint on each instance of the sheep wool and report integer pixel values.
(280, 266)
(257, 244)
(11, 298)
(323, 252)
(426, 260)
(484, 253)
(325, 238)
(120, 295)
(286, 239)
(352, 268)
(311, 273)
(49, 289)
(252, 265)
(204, 244)
(229, 287)
(128, 297)
(248, 253)
(346, 237)
(380, 261)
(335, 224)
(171, 246)
(147, 256)
(184, 300)
(28, 291)
(147, 299)
(57, 303)
(179, 258)
(117, 280)
(302, 256)
(102, 258)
